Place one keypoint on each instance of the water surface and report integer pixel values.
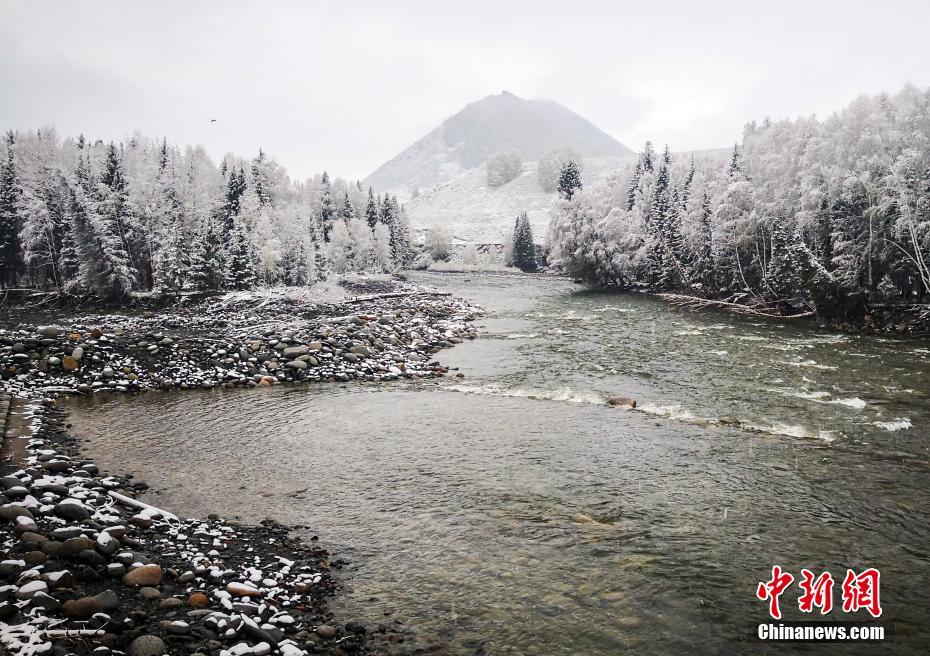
(512, 512)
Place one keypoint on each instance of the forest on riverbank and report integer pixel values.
(114, 218)
(807, 215)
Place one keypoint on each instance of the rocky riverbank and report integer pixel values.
(89, 568)
(236, 341)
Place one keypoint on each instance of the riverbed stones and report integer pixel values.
(11, 511)
(198, 600)
(27, 590)
(325, 631)
(145, 575)
(72, 509)
(238, 589)
(71, 547)
(82, 608)
(146, 645)
(621, 401)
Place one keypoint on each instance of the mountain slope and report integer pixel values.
(477, 213)
(484, 128)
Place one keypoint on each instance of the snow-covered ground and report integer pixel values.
(478, 213)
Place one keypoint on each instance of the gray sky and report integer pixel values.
(346, 86)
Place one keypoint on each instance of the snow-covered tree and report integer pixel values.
(439, 243)
(10, 222)
(524, 250)
(503, 168)
(569, 180)
(549, 167)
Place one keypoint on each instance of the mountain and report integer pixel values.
(492, 125)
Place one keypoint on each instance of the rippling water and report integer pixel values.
(513, 512)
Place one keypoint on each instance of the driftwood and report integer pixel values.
(135, 503)
(64, 634)
(695, 303)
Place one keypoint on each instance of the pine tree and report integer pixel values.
(686, 186)
(348, 212)
(634, 184)
(371, 210)
(115, 218)
(171, 257)
(10, 222)
(735, 167)
(569, 180)
(327, 209)
(207, 270)
(241, 271)
(647, 158)
(235, 188)
(659, 263)
(701, 270)
(259, 179)
(524, 250)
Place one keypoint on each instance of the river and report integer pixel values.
(512, 511)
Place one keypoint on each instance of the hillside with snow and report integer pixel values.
(442, 178)
(476, 212)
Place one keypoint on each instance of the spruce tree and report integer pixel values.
(348, 212)
(735, 167)
(634, 185)
(235, 187)
(241, 271)
(260, 179)
(569, 180)
(524, 250)
(10, 223)
(327, 208)
(371, 210)
(208, 259)
(114, 211)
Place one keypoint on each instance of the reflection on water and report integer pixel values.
(512, 512)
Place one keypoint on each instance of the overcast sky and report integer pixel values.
(345, 86)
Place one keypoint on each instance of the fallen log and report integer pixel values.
(135, 503)
(695, 303)
(375, 297)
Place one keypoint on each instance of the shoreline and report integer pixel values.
(86, 567)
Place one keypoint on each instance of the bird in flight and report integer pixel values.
(213, 120)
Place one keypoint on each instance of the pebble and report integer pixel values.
(83, 608)
(146, 645)
(146, 575)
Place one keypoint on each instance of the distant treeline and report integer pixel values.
(114, 218)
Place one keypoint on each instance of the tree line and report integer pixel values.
(115, 218)
(802, 215)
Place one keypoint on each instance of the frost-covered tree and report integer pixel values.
(207, 271)
(340, 248)
(503, 168)
(383, 256)
(372, 213)
(470, 255)
(327, 208)
(10, 222)
(524, 250)
(439, 243)
(242, 260)
(569, 180)
(827, 215)
(549, 167)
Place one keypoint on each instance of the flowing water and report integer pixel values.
(513, 512)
